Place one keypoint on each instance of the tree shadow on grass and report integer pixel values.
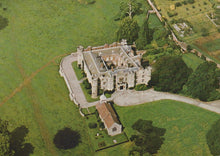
(3, 22)
(17, 142)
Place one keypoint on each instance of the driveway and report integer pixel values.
(123, 98)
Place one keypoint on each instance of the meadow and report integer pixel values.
(186, 126)
(38, 35)
(191, 60)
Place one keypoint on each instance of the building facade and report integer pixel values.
(112, 67)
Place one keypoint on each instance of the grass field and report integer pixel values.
(185, 125)
(32, 92)
(209, 45)
(191, 60)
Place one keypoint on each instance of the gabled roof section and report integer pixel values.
(107, 114)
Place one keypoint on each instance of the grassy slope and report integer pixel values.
(191, 60)
(185, 125)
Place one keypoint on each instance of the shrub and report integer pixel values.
(141, 87)
(178, 4)
(92, 125)
(171, 14)
(191, 1)
(101, 144)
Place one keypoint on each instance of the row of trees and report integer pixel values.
(171, 74)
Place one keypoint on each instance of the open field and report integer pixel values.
(32, 92)
(210, 45)
(185, 125)
(191, 60)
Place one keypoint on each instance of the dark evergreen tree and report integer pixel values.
(128, 29)
(169, 74)
(203, 81)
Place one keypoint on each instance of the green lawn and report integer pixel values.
(185, 125)
(87, 95)
(191, 60)
(37, 32)
(154, 22)
(78, 71)
(212, 45)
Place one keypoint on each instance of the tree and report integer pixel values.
(145, 36)
(128, 29)
(149, 139)
(170, 73)
(213, 138)
(4, 138)
(202, 82)
(66, 139)
(129, 8)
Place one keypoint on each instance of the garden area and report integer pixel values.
(192, 11)
(99, 136)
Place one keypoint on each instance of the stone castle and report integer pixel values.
(112, 67)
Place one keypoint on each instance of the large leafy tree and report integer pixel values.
(129, 8)
(203, 81)
(169, 74)
(128, 29)
(213, 138)
(149, 138)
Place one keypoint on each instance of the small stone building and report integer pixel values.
(112, 67)
(109, 118)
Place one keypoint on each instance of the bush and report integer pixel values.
(191, 1)
(171, 14)
(66, 139)
(178, 4)
(92, 125)
(101, 144)
(141, 87)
